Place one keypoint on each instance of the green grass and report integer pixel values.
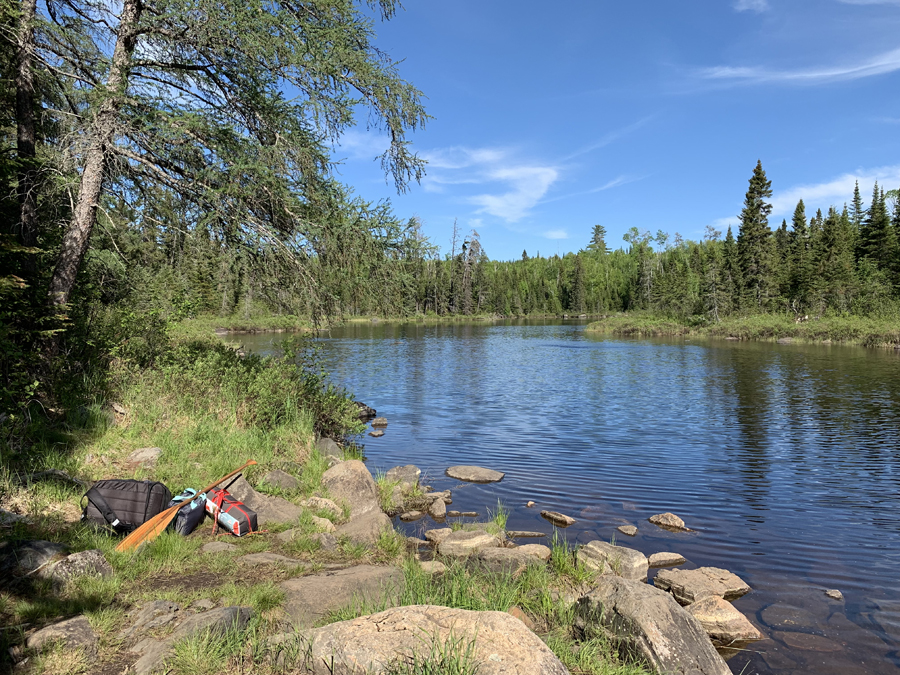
(854, 330)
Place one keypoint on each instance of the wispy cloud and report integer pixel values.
(887, 62)
(615, 182)
(556, 234)
(357, 144)
(608, 138)
(836, 191)
(751, 5)
(509, 186)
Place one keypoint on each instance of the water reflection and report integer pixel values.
(783, 457)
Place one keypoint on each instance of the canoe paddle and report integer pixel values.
(158, 523)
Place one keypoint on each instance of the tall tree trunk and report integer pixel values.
(25, 133)
(101, 137)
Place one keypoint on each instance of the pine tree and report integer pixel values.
(598, 240)
(857, 212)
(754, 239)
(877, 241)
(732, 279)
(799, 259)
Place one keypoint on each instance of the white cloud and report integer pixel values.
(751, 5)
(835, 192)
(527, 185)
(357, 144)
(556, 234)
(887, 62)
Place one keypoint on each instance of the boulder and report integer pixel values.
(364, 528)
(558, 519)
(539, 551)
(645, 622)
(380, 422)
(350, 482)
(618, 560)
(310, 598)
(327, 447)
(322, 504)
(72, 633)
(508, 561)
(666, 559)
(630, 530)
(438, 510)
(495, 643)
(408, 476)
(92, 563)
(475, 474)
(215, 621)
(146, 456)
(268, 509)
(438, 535)
(466, 542)
(725, 626)
(689, 586)
(365, 412)
(668, 521)
(281, 479)
(411, 516)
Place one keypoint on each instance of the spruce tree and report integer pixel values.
(598, 240)
(754, 240)
(732, 279)
(857, 212)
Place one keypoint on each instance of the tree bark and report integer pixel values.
(25, 132)
(102, 135)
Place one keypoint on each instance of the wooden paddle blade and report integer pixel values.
(158, 523)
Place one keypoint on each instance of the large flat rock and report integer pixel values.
(508, 561)
(500, 644)
(466, 542)
(617, 560)
(351, 483)
(644, 621)
(689, 586)
(311, 598)
(475, 474)
(725, 626)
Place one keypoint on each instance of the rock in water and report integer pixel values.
(408, 476)
(618, 560)
(500, 644)
(666, 559)
(521, 534)
(475, 474)
(689, 586)
(558, 519)
(379, 422)
(834, 594)
(410, 516)
(725, 626)
(365, 412)
(647, 622)
(376, 433)
(630, 530)
(438, 535)
(438, 509)
(668, 521)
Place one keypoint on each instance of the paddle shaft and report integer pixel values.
(155, 526)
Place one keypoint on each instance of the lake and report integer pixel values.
(784, 459)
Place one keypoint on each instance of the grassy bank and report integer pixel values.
(853, 330)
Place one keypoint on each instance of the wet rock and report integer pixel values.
(474, 474)
(376, 433)
(91, 563)
(508, 561)
(616, 560)
(466, 542)
(365, 528)
(438, 535)
(523, 534)
(834, 594)
(725, 625)
(438, 510)
(433, 567)
(146, 456)
(539, 551)
(350, 482)
(408, 476)
(645, 622)
(365, 412)
(807, 642)
(327, 447)
(558, 519)
(322, 504)
(73, 634)
(501, 644)
(322, 524)
(668, 521)
(666, 559)
(689, 586)
(780, 615)
(380, 422)
(281, 479)
(310, 598)
(529, 504)
(630, 530)
(268, 509)
(218, 547)
(154, 614)
(411, 516)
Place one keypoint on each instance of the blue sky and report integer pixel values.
(552, 117)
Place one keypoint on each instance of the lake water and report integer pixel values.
(784, 459)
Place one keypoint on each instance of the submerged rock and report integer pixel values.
(668, 521)
(630, 530)
(475, 474)
(558, 519)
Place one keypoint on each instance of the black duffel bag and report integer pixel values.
(123, 505)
